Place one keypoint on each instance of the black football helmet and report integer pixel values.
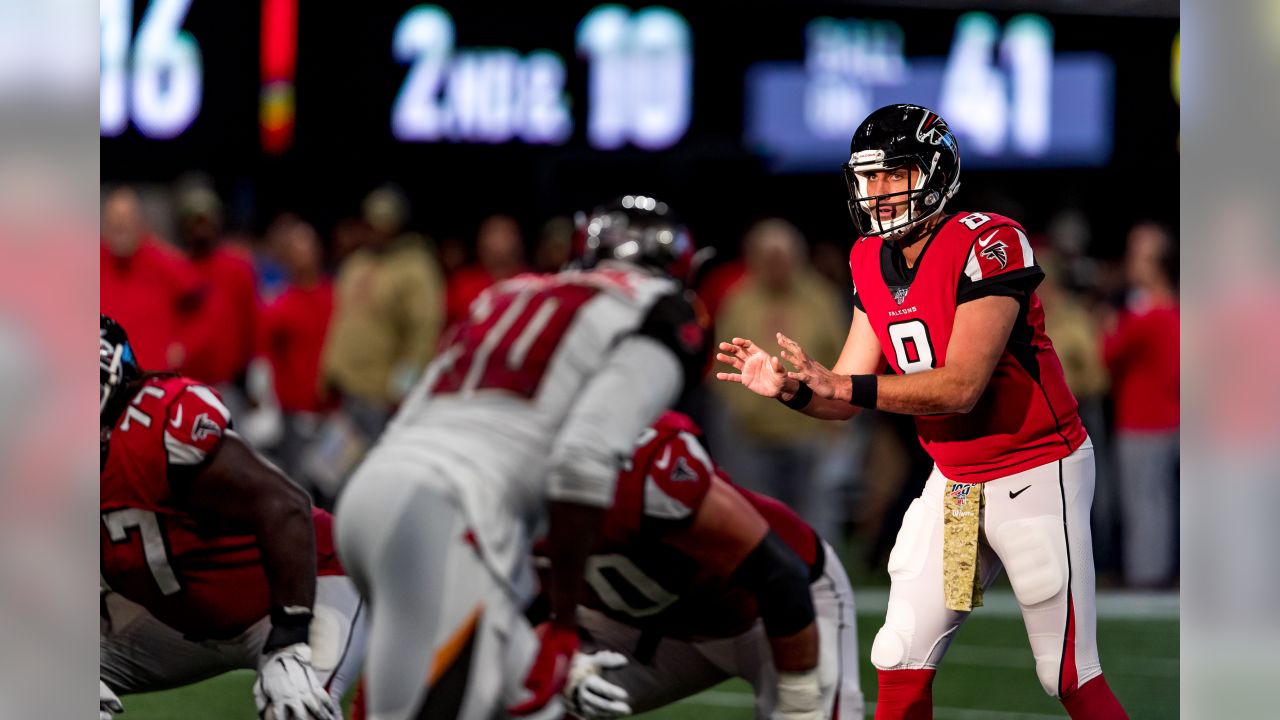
(891, 137)
(636, 229)
(117, 367)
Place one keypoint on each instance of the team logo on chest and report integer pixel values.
(997, 251)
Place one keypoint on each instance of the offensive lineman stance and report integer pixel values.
(695, 580)
(539, 394)
(947, 302)
(210, 555)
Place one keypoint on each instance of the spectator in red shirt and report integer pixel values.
(499, 255)
(146, 285)
(1141, 350)
(228, 319)
(292, 337)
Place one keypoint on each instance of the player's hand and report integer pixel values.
(588, 694)
(108, 703)
(288, 689)
(550, 670)
(759, 371)
(823, 382)
(799, 696)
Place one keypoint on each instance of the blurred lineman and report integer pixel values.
(963, 333)
(210, 555)
(538, 395)
(695, 580)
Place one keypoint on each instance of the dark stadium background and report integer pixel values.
(347, 81)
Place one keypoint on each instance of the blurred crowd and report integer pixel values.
(313, 341)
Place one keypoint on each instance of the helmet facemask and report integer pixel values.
(921, 202)
(117, 366)
(110, 373)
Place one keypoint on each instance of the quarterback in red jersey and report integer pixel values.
(694, 580)
(209, 555)
(946, 302)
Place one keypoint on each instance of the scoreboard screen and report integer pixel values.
(545, 107)
(247, 77)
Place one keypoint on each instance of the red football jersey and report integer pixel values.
(637, 578)
(1027, 416)
(199, 580)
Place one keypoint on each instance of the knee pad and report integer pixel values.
(1034, 553)
(911, 548)
(892, 646)
(1047, 672)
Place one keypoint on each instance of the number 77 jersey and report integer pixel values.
(1026, 416)
(204, 581)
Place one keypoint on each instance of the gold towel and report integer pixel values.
(962, 512)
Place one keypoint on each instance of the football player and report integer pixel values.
(524, 417)
(946, 301)
(694, 580)
(210, 555)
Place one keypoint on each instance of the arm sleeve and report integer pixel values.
(1000, 262)
(639, 378)
(675, 322)
(779, 580)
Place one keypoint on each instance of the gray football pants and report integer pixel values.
(448, 639)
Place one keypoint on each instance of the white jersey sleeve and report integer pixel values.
(639, 379)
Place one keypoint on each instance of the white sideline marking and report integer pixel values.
(1112, 605)
(720, 698)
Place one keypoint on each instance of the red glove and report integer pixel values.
(550, 669)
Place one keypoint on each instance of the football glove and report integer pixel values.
(588, 694)
(799, 696)
(288, 689)
(550, 670)
(108, 703)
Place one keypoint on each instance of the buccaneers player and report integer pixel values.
(695, 580)
(946, 301)
(520, 423)
(210, 555)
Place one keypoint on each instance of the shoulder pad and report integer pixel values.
(195, 424)
(973, 224)
(677, 478)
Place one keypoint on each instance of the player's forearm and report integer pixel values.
(820, 408)
(570, 539)
(931, 392)
(287, 543)
(798, 652)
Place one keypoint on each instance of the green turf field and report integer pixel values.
(988, 674)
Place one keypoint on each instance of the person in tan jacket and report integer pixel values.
(774, 451)
(388, 313)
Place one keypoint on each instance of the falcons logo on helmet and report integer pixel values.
(997, 251)
(931, 129)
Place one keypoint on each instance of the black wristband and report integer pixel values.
(799, 401)
(288, 627)
(864, 390)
